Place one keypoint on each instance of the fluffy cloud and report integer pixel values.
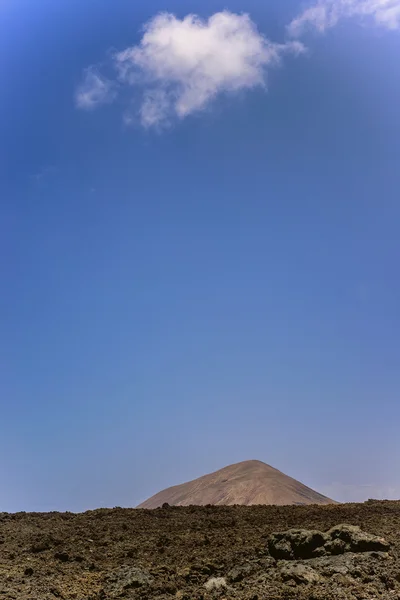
(326, 13)
(94, 90)
(181, 65)
(184, 64)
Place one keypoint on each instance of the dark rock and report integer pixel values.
(79, 558)
(295, 544)
(131, 552)
(335, 547)
(280, 548)
(163, 541)
(210, 568)
(61, 556)
(28, 571)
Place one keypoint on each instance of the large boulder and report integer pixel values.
(296, 544)
(353, 539)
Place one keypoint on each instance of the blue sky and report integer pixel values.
(200, 246)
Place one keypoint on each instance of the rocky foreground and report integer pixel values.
(200, 553)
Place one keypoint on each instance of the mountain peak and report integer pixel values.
(246, 483)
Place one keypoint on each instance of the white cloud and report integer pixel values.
(181, 65)
(326, 13)
(94, 90)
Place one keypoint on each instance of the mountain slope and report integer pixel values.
(246, 483)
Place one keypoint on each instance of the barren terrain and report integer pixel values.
(193, 553)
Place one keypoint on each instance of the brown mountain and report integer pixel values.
(245, 483)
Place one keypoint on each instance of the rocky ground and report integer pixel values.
(202, 553)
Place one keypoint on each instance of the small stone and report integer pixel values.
(79, 558)
(215, 583)
(61, 556)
